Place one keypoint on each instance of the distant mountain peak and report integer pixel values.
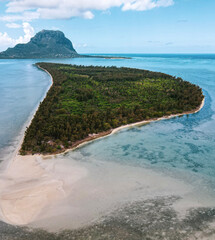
(45, 44)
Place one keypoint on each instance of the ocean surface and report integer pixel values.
(181, 148)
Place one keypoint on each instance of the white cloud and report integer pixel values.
(6, 41)
(140, 5)
(27, 10)
(29, 33)
(106, 12)
(25, 16)
(13, 25)
(80, 45)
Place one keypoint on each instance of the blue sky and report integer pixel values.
(114, 26)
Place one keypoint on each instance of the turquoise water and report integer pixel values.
(21, 88)
(182, 147)
(186, 143)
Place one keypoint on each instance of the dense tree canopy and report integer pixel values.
(86, 100)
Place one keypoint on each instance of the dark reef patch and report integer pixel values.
(151, 219)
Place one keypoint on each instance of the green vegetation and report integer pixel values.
(86, 100)
(45, 44)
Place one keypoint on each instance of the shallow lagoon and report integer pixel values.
(181, 148)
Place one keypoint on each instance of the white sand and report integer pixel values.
(28, 185)
(106, 187)
(61, 193)
(34, 188)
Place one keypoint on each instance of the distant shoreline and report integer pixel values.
(105, 57)
(76, 56)
(93, 137)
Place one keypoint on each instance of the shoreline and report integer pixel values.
(110, 132)
(115, 130)
(94, 136)
(34, 185)
(13, 173)
(29, 182)
(103, 134)
(20, 137)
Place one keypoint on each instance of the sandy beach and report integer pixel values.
(136, 124)
(29, 184)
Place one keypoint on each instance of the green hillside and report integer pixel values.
(86, 100)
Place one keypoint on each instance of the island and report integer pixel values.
(47, 44)
(88, 102)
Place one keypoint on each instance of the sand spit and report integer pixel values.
(28, 185)
(36, 188)
(62, 193)
(32, 189)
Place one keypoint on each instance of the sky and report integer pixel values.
(114, 26)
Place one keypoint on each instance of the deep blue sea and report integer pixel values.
(182, 147)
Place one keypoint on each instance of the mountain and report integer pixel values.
(45, 44)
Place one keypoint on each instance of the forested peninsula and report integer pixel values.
(86, 102)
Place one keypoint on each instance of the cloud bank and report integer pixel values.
(27, 10)
(7, 41)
